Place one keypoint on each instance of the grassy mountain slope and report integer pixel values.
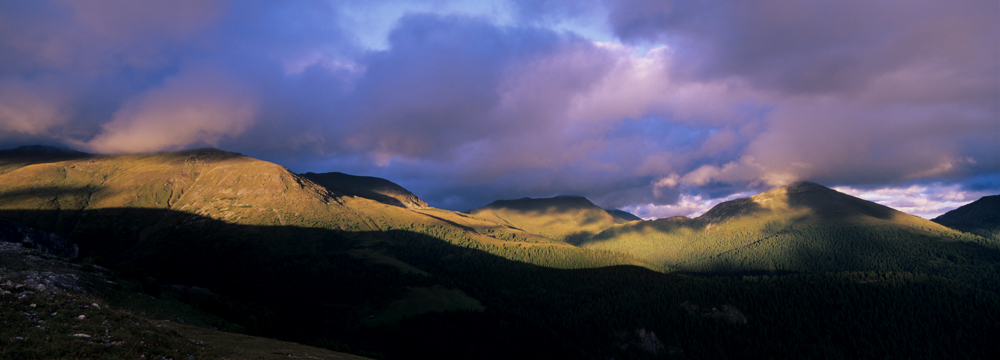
(806, 227)
(368, 187)
(240, 190)
(562, 218)
(622, 215)
(237, 225)
(175, 215)
(309, 274)
(981, 217)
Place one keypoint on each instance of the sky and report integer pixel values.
(661, 108)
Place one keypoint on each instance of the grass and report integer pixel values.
(92, 197)
(61, 325)
(422, 300)
(54, 309)
(806, 228)
(237, 346)
(562, 218)
(295, 259)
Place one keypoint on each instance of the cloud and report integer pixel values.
(100, 37)
(663, 104)
(927, 201)
(815, 46)
(30, 109)
(198, 106)
(687, 205)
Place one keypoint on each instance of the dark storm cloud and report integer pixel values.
(107, 75)
(436, 87)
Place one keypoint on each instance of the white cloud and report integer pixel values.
(926, 201)
(688, 205)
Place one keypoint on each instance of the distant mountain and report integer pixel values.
(806, 227)
(41, 150)
(980, 217)
(822, 202)
(561, 218)
(623, 215)
(381, 190)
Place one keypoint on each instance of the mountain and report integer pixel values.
(41, 150)
(560, 218)
(368, 187)
(980, 217)
(820, 201)
(218, 239)
(89, 195)
(233, 224)
(623, 215)
(806, 227)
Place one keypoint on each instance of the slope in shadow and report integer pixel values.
(373, 188)
(301, 284)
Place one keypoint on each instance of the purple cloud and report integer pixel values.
(660, 107)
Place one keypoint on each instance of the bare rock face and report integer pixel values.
(31, 238)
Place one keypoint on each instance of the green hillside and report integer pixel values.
(806, 227)
(242, 244)
(236, 189)
(980, 217)
(562, 218)
(368, 187)
(235, 225)
(623, 215)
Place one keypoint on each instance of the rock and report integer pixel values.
(31, 238)
(649, 342)
(728, 313)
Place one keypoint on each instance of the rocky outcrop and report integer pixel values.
(31, 238)
(24, 270)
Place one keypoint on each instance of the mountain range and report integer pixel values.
(360, 264)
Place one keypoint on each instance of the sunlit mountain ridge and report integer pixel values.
(335, 259)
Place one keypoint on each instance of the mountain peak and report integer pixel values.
(561, 217)
(378, 189)
(805, 186)
(980, 217)
(559, 203)
(820, 200)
